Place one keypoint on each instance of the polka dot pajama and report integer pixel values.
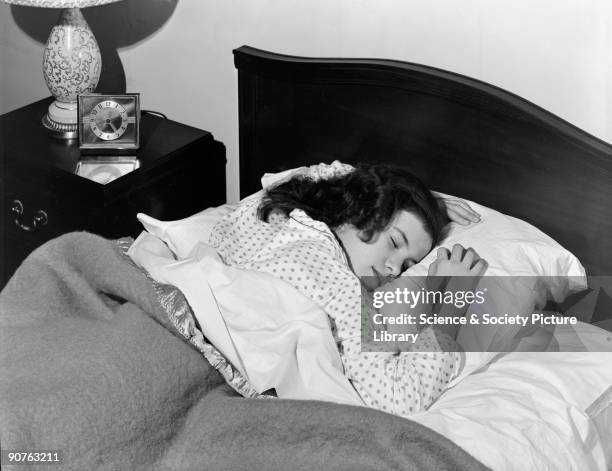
(306, 254)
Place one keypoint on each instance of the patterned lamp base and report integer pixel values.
(71, 66)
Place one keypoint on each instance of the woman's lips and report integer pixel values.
(381, 280)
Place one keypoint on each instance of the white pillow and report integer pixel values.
(512, 247)
(184, 235)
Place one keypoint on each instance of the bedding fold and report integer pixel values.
(91, 365)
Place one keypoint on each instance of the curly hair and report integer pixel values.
(367, 197)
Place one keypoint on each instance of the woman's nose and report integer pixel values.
(394, 267)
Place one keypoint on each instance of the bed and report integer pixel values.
(103, 362)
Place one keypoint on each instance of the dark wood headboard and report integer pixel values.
(459, 135)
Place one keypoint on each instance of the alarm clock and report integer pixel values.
(109, 124)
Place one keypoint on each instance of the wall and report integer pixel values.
(556, 53)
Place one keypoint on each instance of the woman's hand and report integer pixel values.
(459, 211)
(454, 271)
(459, 262)
(457, 270)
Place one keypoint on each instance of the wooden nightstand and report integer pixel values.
(182, 171)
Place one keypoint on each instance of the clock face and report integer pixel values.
(109, 122)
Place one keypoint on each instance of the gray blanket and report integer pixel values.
(90, 365)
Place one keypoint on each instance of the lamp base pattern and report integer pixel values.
(72, 59)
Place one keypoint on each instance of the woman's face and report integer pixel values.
(402, 244)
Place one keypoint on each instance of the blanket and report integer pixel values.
(90, 365)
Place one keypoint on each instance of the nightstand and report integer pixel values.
(182, 171)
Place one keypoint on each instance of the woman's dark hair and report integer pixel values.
(367, 198)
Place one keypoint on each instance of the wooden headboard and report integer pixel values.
(459, 135)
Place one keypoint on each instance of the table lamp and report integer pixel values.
(71, 62)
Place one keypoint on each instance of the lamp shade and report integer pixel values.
(59, 3)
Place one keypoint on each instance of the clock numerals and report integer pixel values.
(108, 120)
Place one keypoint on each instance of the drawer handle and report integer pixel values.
(39, 219)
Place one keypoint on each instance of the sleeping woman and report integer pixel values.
(322, 230)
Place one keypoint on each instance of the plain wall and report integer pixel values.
(177, 54)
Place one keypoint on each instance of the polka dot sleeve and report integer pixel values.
(399, 383)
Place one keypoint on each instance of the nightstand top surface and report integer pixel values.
(25, 142)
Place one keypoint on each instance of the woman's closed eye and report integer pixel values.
(408, 262)
(393, 242)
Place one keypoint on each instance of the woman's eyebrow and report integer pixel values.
(403, 235)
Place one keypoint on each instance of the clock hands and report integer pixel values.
(105, 125)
